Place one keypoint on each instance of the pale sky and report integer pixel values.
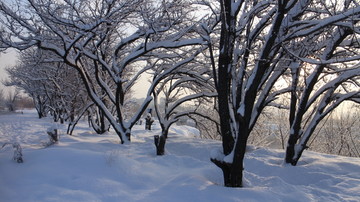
(7, 59)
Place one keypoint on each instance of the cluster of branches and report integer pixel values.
(54, 86)
(336, 134)
(312, 44)
(183, 93)
(109, 43)
(249, 52)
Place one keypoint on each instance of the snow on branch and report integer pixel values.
(309, 27)
(189, 98)
(323, 62)
(346, 75)
(329, 102)
(337, 99)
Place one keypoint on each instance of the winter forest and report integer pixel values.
(280, 74)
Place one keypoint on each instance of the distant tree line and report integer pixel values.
(13, 100)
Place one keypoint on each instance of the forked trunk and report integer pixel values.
(292, 156)
(232, 172)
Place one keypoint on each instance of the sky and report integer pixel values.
(7, 59)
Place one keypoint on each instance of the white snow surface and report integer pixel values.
(91, 167)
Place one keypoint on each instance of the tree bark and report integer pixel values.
(160, 144)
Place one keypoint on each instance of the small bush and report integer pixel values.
(17, 151)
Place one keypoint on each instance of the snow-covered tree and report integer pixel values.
(254, 54)
(29, 76)
(12, 97)
(102, 40)
(325, 71)
(190, 85)
(54, 86)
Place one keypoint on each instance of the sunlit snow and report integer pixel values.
(91, 167)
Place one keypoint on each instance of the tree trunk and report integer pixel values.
(292, 157)
(227, 38)
(290, 149)
(231, 173)
(225, 167)
(237, 166)
(160, 144)
(104, 126)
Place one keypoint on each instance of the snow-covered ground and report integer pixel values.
(91, 167)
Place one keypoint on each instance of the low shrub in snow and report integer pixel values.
(17, 151)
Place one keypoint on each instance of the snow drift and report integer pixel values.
(91, 167)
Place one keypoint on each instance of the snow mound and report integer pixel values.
(184, 131)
